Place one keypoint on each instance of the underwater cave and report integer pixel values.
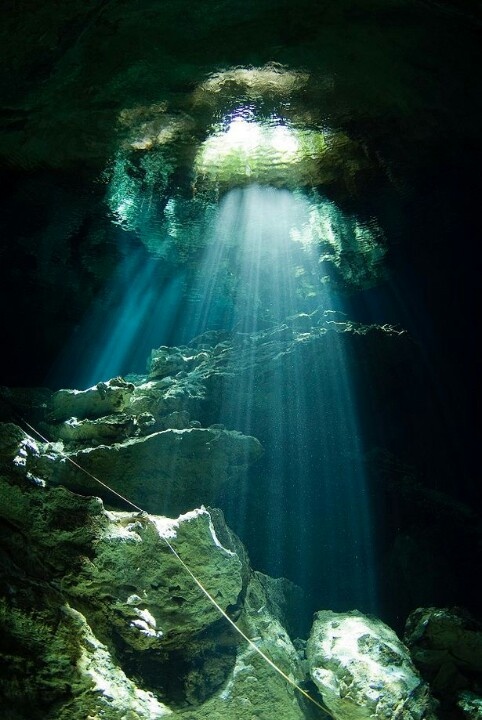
(238, 408)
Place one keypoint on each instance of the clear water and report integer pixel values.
(304, 510)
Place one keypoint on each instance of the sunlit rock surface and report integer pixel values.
(140, 588)
(64, 671)
(103, 399)
(100, 687)
(363, 671)
(140, 440)
(101, 619)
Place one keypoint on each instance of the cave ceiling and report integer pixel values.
(391, 73)
(392, 86)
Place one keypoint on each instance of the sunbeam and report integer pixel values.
(313, 463)
(261, 276)
(127, 319)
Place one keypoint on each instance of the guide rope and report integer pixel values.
(206, 592)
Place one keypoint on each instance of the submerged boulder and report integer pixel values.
(470, 705)
(446, 646)
(136, 586)
(169, 471)
(363, 671)
(253, 688)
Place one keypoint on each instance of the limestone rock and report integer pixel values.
(363, 671)
(254, 689)
(169, 396)
(15, 446)
(168, 472)
(166, 361)
(49, 530)
(64, 671)
(470, 705)
(102, 620)
(179, 420)
(446, 645)
(103, 399)
(100, 688)
(284, 600)
(136, 584)
(110, 428)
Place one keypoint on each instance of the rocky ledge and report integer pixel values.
(102, 619)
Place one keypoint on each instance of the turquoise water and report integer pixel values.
(305, 510)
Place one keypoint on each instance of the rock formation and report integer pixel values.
(102, 619)
(446, 646)
(363, 671)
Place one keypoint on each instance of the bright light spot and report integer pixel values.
(122, 210)
(285, 141)
(266, 150)
(242, 134)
